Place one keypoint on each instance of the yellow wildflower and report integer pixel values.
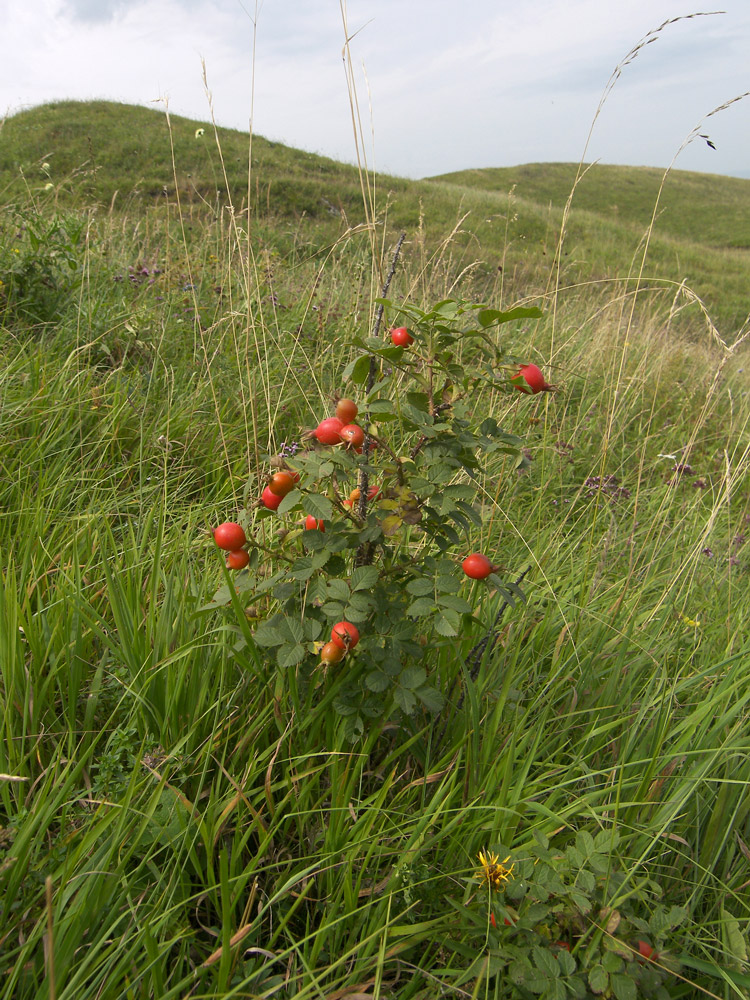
(493, 871)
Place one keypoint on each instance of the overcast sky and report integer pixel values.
(442, 84)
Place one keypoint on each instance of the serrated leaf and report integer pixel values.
(291, 629)
(419, 587)
(302, 569)
(567, 962)
(267, 635)
(290, 655)
(430, 697)
(583, 903)
(447, 623)
(342, 707)
(318, 505)
(312, 629)
(598, 979)
(337, 590)
(355, 615)
(422, 606)
(605, 840)
(376, 680)
(612, 962)
(677, 915)
(574, 856)
(545, 961)
(290, 500)
(405, 700)
(585, 843)
(447, 584)
(361, 601)
(412, 677)
(623, 987)
(460, 491)
(364, 578)
(455, 603)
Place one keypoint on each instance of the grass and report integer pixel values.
(178, 815)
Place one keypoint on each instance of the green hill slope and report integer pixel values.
(704, 208)
(131, 158)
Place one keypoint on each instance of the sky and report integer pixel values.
(440, 85)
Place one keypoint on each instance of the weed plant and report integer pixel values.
(171, 824)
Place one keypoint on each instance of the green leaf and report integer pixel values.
(405, 700)
(289, 501)
(290, 656)
(343, 707)
(605, 840)
(412, 677)
(574, 856)
(364, 577)
(419, 587)
(267, 635)
(361, 601)
(380, 407)
(545, 961)
(291, 629)
(318, 505)
(422, 606)
(677, 915)
(376, 680)
(447, 623)
(612, 962)
(460, 491)
(598, 979)
(581, 902)
(419, 400)
(455, 603)
(585, 843)
(358, 370)
(302, 569)
(337, 590)
(567, 962)
(430, 697)
(487, 317)
(623, 987)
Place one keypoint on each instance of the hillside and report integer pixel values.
(706, 209)
(124, 157)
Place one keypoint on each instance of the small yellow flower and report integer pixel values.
(691, 622)
(493, 870)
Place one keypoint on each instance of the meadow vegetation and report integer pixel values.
(184, 813)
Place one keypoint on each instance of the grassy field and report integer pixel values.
(181, 814)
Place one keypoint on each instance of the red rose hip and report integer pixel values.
(477, 566)
(230, 536)
(345, 635)
(401, 337)
(328, 431)
(533, 377)
(238, 560)
(270, 499)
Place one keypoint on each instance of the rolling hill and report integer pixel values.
(127, 158)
